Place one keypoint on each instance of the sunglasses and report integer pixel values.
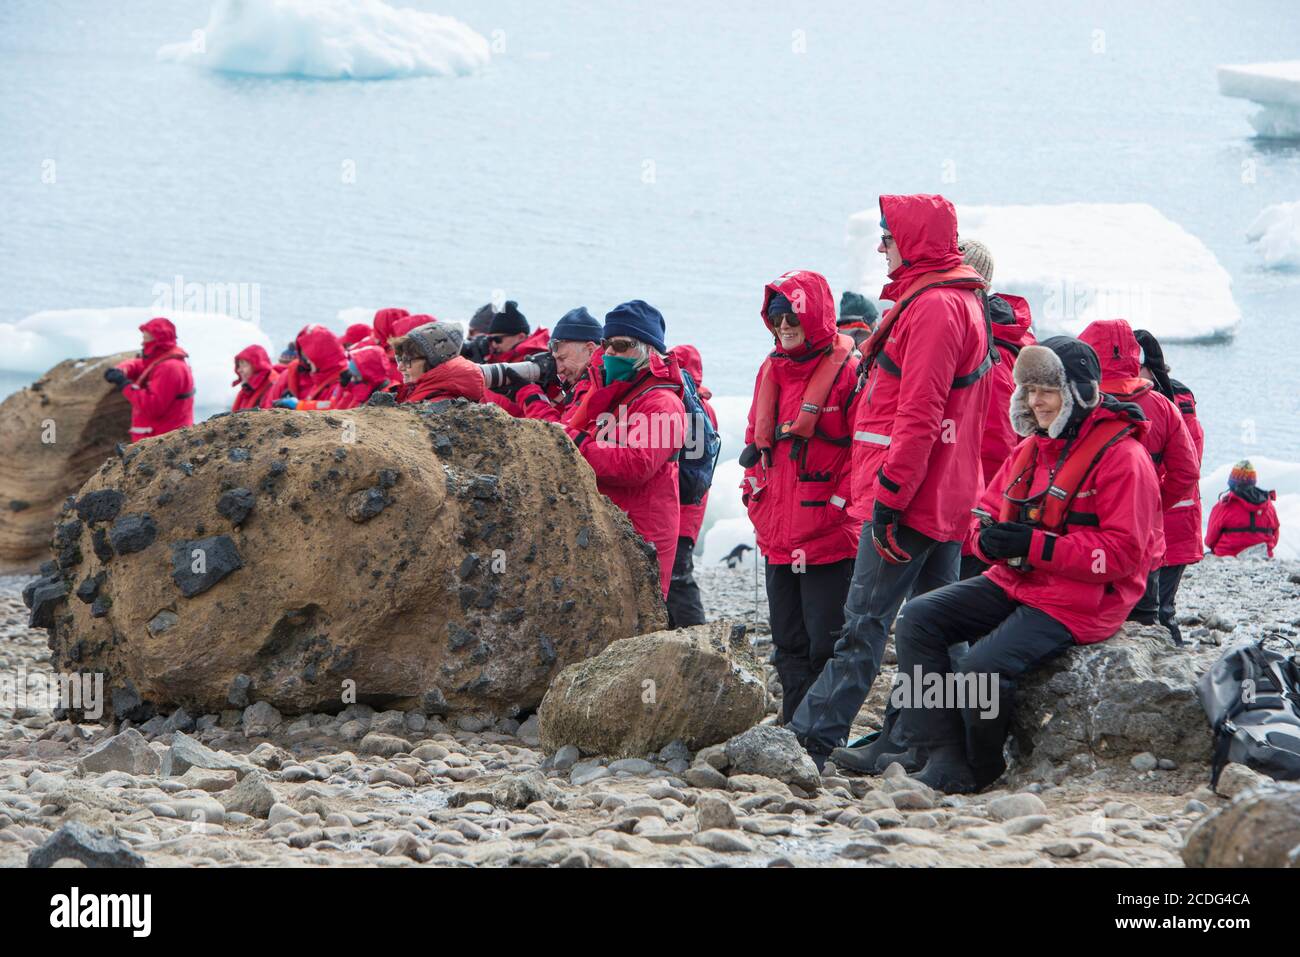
(886, 239)
(785, 318)
(619, 345)
(496, 340)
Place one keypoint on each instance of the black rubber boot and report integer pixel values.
(912, 760)
(866, 759)
(948, 770)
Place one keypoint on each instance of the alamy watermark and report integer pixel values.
(239, 300)
(45, 691)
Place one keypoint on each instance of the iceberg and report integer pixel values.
(330, 40)
(1078, 262)
(1275, 87)
(1275, 475)
(44, 339)
(1277, 232)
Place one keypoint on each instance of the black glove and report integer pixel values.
(749, 456)
(546, 363)
(884, 534)
(116, 376)
(1006, 540)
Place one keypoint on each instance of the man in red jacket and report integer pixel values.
(1066, 566)
(1010, 321)
(798, 476)
(509, 340)
(685, 606)
(1244, 516)
(433, 367)
(1166, 437)
(254, 375)
(315, 382)
(158, 383)
(575, 346)
(916, 468)
(632, 424)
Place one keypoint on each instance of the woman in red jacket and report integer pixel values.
(433, 367)
(1066, 567)
(158, 383)
(798, 476)
(1244, 516)
(254, 375)
(632, 424)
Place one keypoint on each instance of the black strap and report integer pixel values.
(187, 395)
(991, 357)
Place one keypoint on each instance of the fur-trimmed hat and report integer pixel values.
(1063, 363)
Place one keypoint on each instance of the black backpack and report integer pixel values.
(695, 472)
(1251, 697)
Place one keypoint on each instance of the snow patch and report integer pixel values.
(1276, 475)
(1078, 262)
(330, 40)
(1277, 231)
(42, 340)
(1275, 87)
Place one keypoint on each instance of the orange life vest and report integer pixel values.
(767, 431)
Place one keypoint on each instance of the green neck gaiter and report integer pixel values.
(618, 369)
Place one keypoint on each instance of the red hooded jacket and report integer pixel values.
(321, 388)
(634, 453)
(1010, 323)
(161, 386)
(688, 358)
(1242, 519)
(536, 404)
(256, 392)
(373, 368)
(1090, 577)
(537, 341)
(383, 335)
(357, 334)
(917, 438)
(1183, 544)
(1167, 438)
(455, 378)
(799, 505)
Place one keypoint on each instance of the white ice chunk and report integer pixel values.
(44, 339)
(1275, 87)
(330, 40)
(1277, 231)
(1275, 475)
(1078, 262)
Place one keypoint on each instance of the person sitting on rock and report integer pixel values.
(366, 374)
(510, 341)
(158, 383)
(685, 606)
(1074, 518)
(1243, 517)
(631, 426)
(858, 317)
(798, 465)
(314, 383)
(254, 375)
(432, 366)
(575, 346)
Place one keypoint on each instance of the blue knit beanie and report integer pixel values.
(637, 319)
(577, 325)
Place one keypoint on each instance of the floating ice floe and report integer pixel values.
(1078, 262)
(44, 339)
(1277, 232)
(1275, 475)
(330, 40)
(1275, 87)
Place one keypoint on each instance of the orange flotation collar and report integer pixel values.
(767, 431)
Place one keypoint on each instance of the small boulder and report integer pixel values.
(75, 841)
(1261, 828)
(774, 753)
(128, 751)
(251, 796)
(132, 533)
(261, 719)
(199, 564)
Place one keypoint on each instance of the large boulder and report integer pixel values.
(700, 685)
(440, 557)
(1260, 828)
(53, 435)
(1133, 693)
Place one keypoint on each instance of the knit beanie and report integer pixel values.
(1242, 476)
(779, 305)
(854, 305)
(976, 255)
(637, 319)
(437, 341)
(481, 321)
(577, 325)
(509, 321)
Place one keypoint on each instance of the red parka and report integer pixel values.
(536, 404)
(321, 388)
(1010, 321)
(256, 392)
(161, 385)
(799, 505)
(373, 369)
(455, 378)
(1242, 519)
(1166, 438)
(634, 453)
(1090, 577)
(917, 436)
(688, 358)
(1183, 545)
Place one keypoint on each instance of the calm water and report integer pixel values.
(532, 177)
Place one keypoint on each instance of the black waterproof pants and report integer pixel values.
(806, 611)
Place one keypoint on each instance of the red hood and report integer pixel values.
(384, 320)
(1116, 347)
(813, 303)
(925, 229)
(405, 324)
(355, 333)
(688, 357)
(323, 349)
(256, 356)
(1011, 325)
(164, 337)
(372, 363)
